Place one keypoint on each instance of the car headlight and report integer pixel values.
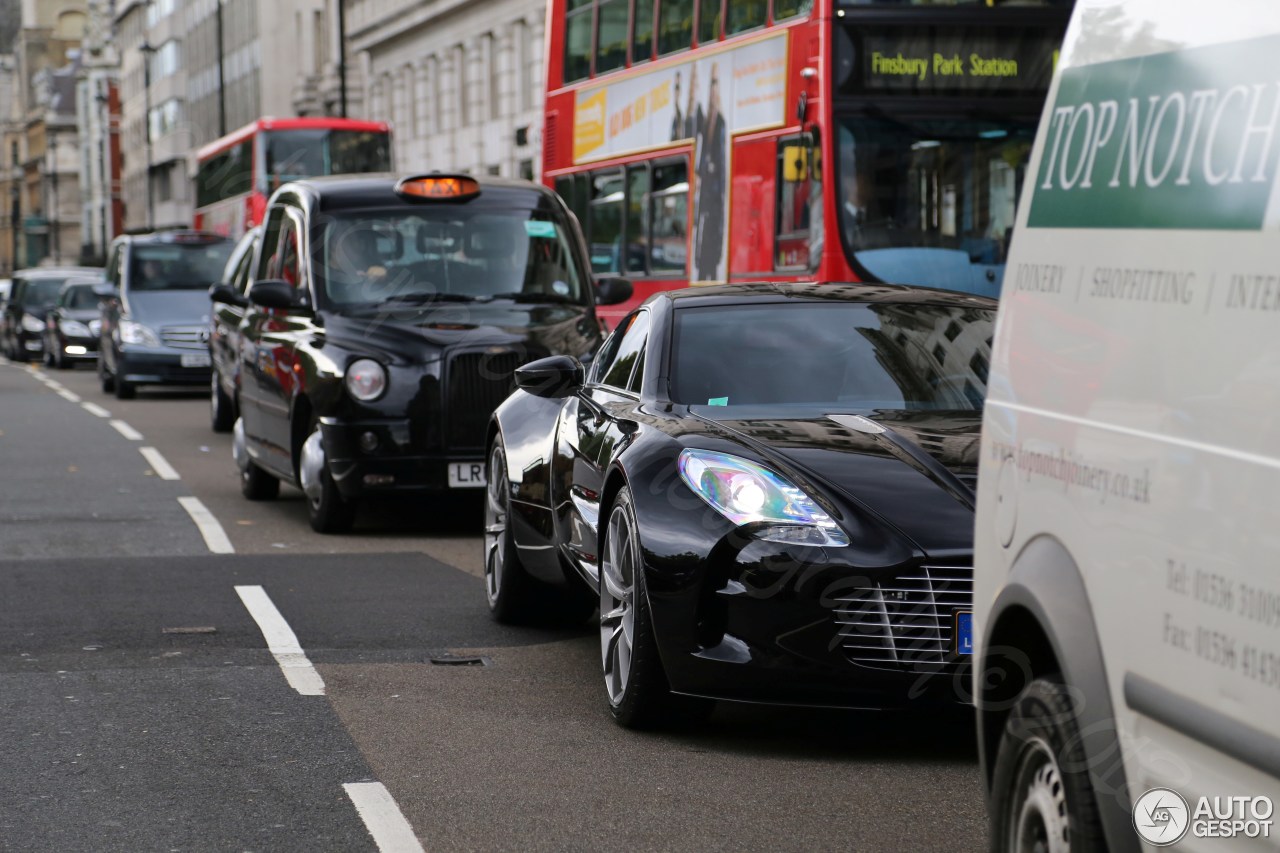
(136, 333)
(75, 327)
(32, 323)
(745, 492)
(366, 379)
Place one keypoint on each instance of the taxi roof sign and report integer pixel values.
(438, 187)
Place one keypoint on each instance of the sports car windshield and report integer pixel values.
(417, 257)
(835, 355)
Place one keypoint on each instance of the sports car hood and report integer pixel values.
(916, 471)
(168, 307)
(421, 333)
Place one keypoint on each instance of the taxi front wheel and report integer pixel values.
(327, 510)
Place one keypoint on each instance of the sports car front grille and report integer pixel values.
(185, 337)
(477, 383)
(906, 623)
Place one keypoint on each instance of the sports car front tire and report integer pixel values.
(635, 683)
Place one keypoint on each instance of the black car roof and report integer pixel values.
(378, 190)
(808, 291)
(175, 235)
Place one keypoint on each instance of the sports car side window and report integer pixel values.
(629, 352)
(609, 350)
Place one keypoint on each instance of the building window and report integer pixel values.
(165, 60)
(165, 118)
(158, 10)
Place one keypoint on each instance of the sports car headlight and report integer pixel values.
(745, 492)
(32, 323)
(136, 333)
(75, 327)
(366, 379)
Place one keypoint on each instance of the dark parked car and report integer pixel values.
(767, 490)
(230, 301)
(155, 326)
(388, 316)
(72, 327)
(32, 296)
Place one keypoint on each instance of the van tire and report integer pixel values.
(1041, 752)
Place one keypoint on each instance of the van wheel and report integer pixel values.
(1042, 799)
(258, 485)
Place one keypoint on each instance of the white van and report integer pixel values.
(1127, 548)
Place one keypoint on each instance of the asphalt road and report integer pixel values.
(144, 706)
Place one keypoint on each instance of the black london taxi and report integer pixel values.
(387, 317)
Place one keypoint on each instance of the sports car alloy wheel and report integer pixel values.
(617, 602)
(639, 695)
(506, 585)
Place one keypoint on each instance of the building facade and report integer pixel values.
(40, 190)
(98, 128)
(191, 71)
(460, 81)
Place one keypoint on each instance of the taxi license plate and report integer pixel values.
(964, 633)
(195, 360)
(466, 475)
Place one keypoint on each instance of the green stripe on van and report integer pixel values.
(1186, 139)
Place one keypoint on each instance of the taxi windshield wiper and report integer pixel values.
(534, 296)
(417, 298)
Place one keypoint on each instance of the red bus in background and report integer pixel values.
(830, 140)
(235, 175)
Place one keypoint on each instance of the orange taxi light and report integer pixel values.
(438, 187)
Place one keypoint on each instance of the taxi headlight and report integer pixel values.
(366, 379)
(136, 333)
(32, 323)
(75, 327)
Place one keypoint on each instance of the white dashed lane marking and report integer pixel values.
(95, 409)
(126, 430)
(282, 642)
(159, 464)
(383, 818)
(214, 536)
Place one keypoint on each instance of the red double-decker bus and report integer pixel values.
(829, 140)
(235, 175)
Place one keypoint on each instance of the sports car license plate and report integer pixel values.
(195, 360)
(964, 633)
(466, 475)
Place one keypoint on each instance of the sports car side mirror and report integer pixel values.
(611, 291)
(554, 377)
(227, 295)
(274, 293)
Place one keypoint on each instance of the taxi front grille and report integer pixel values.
(906, 623)
(476, 383)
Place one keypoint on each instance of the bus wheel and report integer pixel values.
(1041, 796)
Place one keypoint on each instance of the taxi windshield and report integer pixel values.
(425, 255)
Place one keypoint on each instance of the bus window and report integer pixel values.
(783, 9)
(709, 21)
(642, 32)
(669, 216)
(675, 26)
(795, 203)
(577, 41)
(605, 227)
(745, 15)
(611, 37)
(637, 221)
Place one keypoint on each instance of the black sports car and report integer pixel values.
(767, 489)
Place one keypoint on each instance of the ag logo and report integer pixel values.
(1161, 817)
